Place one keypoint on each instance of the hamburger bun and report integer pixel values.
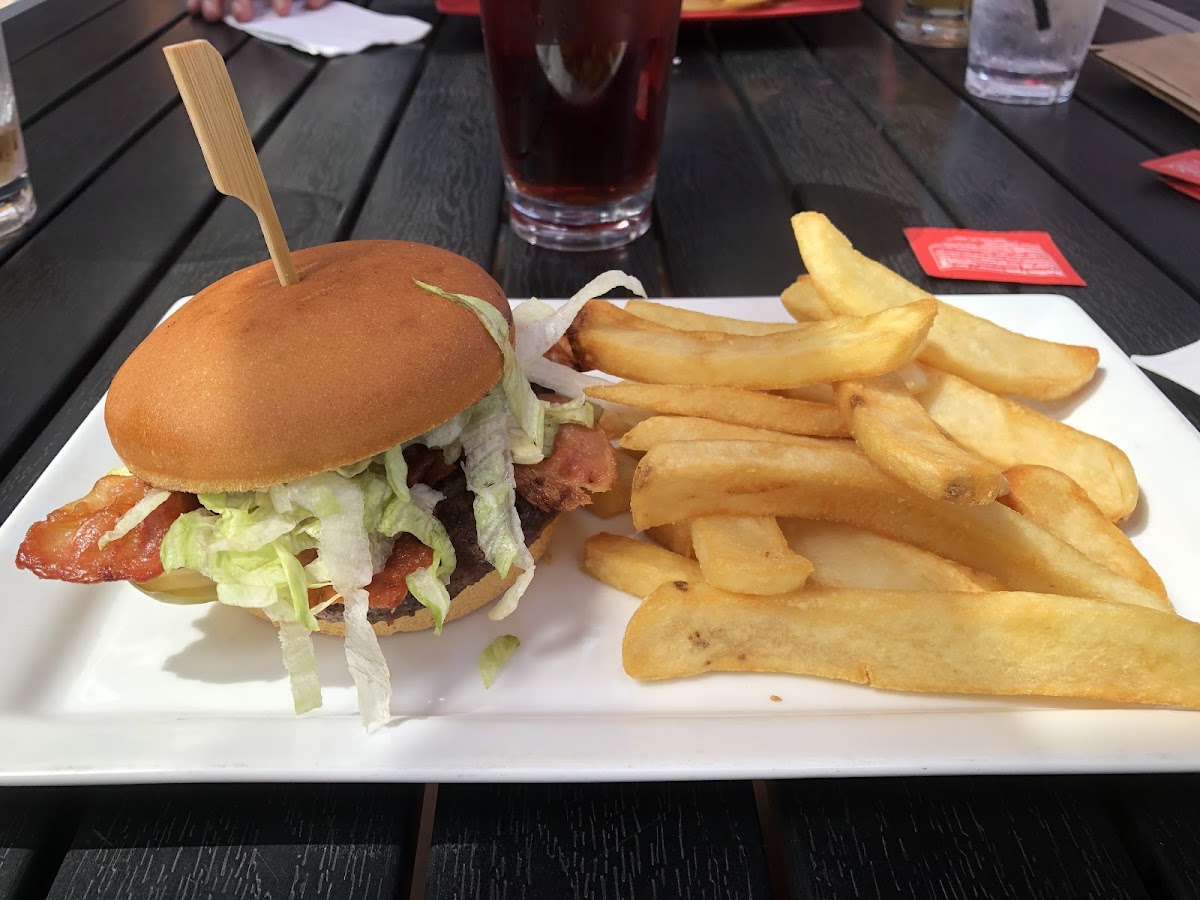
(186, 586)
(251, 384)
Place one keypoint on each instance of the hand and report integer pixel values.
(243, 10)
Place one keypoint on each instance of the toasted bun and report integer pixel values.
(479, 594)
(251, 384)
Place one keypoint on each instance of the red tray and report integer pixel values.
(769, 11)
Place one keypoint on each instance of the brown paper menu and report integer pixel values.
(1167, 66)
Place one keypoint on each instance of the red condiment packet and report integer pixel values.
(1184, 166)
(1020, 257)
(1192, 190)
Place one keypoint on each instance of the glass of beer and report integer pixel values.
(580, 89)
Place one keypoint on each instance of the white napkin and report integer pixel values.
(333, 30)
(1182, 366)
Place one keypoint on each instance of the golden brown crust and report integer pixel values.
(251, 384)
(479, 594)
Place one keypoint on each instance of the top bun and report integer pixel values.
(251, 384)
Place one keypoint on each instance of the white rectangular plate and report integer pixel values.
(101, 684)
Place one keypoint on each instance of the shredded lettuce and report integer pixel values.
(495, 656)
(522, 401)
(537, 336)
(299, 659)
(488, 465)
(132, 519)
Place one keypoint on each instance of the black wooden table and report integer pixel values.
(765, 119)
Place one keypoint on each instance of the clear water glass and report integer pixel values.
(1028, 53)
(17, 205)
(933, 23)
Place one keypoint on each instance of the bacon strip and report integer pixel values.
(63, 545)
(582, 463)
(389, 587)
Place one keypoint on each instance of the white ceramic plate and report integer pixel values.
(101, 684)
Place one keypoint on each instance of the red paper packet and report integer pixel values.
(1183, 166)
(1019, 257)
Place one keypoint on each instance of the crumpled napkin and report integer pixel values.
(1182, 366)
(334, 30)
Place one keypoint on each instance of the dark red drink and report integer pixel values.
(580, 88)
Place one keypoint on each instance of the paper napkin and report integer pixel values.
(1165, 66)
(334, 30)
(1182, 366)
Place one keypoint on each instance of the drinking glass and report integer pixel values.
(17, 205)
(933, 23)
(580, 90)
(1029, 52)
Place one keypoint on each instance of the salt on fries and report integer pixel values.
(991, 643)
(748, 555)
(1010, 434)
(607, 338)
(839, 483)
(734, 405)
(1063, 508)
(896, 432)
(965, 345)
(849, 497)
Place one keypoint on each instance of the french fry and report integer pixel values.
(674, 536)
(838, 483)
(895, 431)
(634, 566)
(1063, 508)
(687, 320)
(660, 429)
(607, 338)
(734, 405)
(748, 555)
(1019, 644)
(1010, 434)
(980, 351)
(615, 500)
(847, 557)
(803, 302)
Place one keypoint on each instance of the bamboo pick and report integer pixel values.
(224, 139)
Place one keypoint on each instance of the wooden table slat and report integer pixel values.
(439, 181)
(32, 821)
(302, 842)
(968, 838)
(834, 157)
(1159, 817)
(46, 76)
(721, 208)
(687, 840)
(1161, 223)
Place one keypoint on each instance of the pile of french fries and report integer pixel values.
(859, 496)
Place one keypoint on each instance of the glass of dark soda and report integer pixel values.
(580, 89)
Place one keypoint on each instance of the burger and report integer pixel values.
(361, 453)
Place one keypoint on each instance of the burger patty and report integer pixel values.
(457, 515)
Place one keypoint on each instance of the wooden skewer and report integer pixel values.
(224, 139)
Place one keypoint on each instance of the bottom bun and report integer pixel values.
(467, 601)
